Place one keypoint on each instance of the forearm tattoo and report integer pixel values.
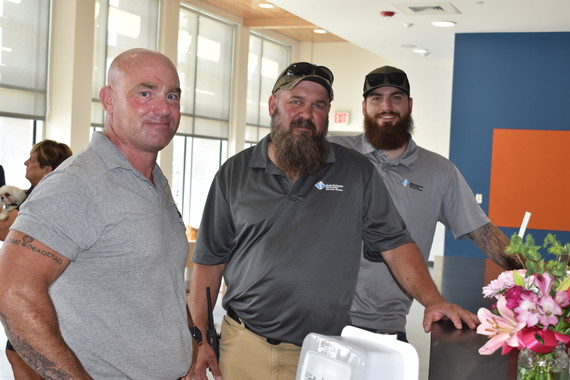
(37, 361)
(492, 242)
(29, 243)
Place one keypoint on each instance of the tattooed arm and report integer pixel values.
(27, 269)
(492, 242)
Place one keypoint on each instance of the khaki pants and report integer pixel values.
(245, 355)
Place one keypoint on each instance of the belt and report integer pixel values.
(233, 315)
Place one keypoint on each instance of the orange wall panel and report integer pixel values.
(530, 171)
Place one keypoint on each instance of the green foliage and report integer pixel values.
(529, 254)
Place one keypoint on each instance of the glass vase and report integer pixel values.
(550, 366)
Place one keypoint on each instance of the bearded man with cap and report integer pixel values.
(283, 224)
(425, 187)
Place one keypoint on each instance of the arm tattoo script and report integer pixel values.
(37, 361)
(492, 242)
(29, 243)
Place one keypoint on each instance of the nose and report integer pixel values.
(386, 104)
(306, 112)
(161, 106)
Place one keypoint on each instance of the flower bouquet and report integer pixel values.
(532, 312)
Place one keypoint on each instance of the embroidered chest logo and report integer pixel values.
(322, 186)
(412, 185)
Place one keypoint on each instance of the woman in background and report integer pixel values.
(45, 156)
(2, 179)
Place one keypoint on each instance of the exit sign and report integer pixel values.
(341, 118)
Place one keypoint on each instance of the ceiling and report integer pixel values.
(394, 38)
(275, 19)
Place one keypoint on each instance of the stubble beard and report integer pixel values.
(388, 136)
(298, 154)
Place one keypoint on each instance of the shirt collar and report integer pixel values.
(113, 158)
(407, 158)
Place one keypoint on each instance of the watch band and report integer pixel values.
(196, 334)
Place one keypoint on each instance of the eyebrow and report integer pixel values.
(303, 98)
(150, 86)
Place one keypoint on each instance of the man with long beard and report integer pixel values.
(283, 224)
(425, 187)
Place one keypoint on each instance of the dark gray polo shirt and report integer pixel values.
(293, 249)
(426, 188)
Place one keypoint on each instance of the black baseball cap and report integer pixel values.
(386, 76)
(300, 71)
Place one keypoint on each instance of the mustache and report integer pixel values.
(387, 113)
(303, 123)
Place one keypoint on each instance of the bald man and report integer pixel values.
(93, 268)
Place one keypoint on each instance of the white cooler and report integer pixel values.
(357, 355)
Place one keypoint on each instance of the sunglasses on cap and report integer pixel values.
(302, 69)
(396, 79)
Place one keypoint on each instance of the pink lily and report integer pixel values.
(544, 283)
(502, 329)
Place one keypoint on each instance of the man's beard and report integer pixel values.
(388, 136)
(302, 153)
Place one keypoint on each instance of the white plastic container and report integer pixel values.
(357, 355)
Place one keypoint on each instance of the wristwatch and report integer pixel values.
(196, 334)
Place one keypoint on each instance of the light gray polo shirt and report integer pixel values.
(426, 188)
(293, 249)
(121, 302)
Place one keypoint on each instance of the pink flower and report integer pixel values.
(502, 329)
(513, 296)
(562, 298)
(527, 311)
(549, 310)
(544, 283)
(502, 283)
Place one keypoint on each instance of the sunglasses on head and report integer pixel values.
(303, 69)
(397, 79)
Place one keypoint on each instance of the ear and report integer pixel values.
(364, 107)
(410, 104)
(272, 104)
(106, 95)
(47, 169)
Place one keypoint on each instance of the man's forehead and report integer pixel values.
(307, 89)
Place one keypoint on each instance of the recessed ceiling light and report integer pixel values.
(444, 24)
(422, 52)
(320, 31)
(266, 5)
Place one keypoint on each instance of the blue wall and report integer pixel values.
(509, 81)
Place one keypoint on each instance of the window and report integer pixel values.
(266, 61)
(205, 55)
(192, 175)
(18, 137)
(23, 57)
(119, 25)
(24, 31)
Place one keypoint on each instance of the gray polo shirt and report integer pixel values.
(121, 302)
(293, 249)
(426, 188)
